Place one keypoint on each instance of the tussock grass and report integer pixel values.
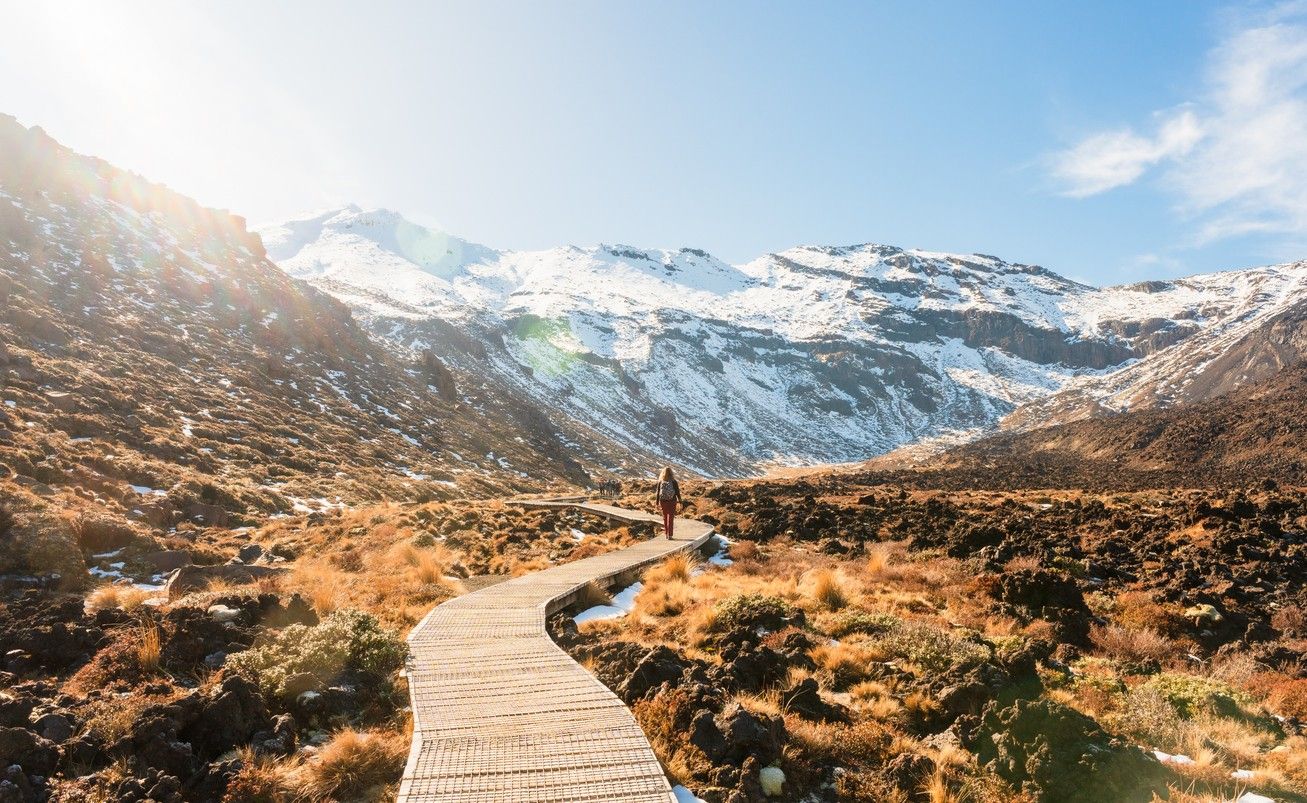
(321, 584)
(107, 597)
(354, 764)
(828, 589)
(149, 648)
(674, 569)
(261, 779)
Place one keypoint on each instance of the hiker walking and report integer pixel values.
(668, 497)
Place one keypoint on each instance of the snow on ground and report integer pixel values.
(684, 795)
(622, 604)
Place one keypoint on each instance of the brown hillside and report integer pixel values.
(1254, 434)
(147, 341)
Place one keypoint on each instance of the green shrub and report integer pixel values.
(424, 540)
(345, 640)
(931, 648)
(1147, 717)
(753, 611)
(870, 624)
(1190, 695)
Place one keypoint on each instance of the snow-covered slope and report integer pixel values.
(815, 354)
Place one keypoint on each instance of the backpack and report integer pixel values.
(667, 491)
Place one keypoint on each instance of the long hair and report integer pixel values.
(666, 475)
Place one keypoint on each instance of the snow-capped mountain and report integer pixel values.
(815, 354)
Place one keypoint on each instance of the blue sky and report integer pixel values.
(1107, 141)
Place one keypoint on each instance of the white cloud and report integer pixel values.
(1117, 158)
(1236, 158)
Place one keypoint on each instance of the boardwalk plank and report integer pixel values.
(502, 715)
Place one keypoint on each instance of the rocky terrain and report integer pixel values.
(881, 643)
(812, 355)
(265, 669)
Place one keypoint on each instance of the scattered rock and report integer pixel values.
(194, 578)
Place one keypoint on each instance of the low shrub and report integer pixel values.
(858, 621)
(1190, 695)
(345, 640)
(423, 540)
(1289, 698)
(931, 648)
(752, 611)
(1130, 645)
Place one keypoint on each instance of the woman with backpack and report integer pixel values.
(668, 497)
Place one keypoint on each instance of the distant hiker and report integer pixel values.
(668, 496)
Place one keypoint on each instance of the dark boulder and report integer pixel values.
(1049, 595)
(750, 735)
(229, 714)
(804, 699)
(658, 666)
(1054, 753)
(37, 756)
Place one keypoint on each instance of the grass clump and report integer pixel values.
(345, 640)
(355, 765)
(149, 649)
(108, 597)
(829, 591)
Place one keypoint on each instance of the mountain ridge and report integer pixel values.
(815, 354)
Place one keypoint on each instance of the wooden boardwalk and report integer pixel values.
(501, 714)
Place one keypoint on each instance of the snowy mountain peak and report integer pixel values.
(812, 354)
(382, 239)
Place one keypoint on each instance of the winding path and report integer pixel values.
(501, 714)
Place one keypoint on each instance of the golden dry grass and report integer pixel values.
(107, 597)
(1126, 644)
(354, 765)
(828, 589)
(674, 569)
(320, 583)
(149, 648)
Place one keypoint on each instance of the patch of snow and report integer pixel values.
(623, 603)
(1177, 760)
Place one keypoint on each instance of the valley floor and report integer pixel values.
(860, 641)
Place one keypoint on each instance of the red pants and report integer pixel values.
(669, 515)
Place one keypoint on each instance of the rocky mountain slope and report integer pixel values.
(153, 358)
(811, 355)
(1254, 434)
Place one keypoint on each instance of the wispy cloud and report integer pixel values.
(1236, 157)
(1116, 158)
